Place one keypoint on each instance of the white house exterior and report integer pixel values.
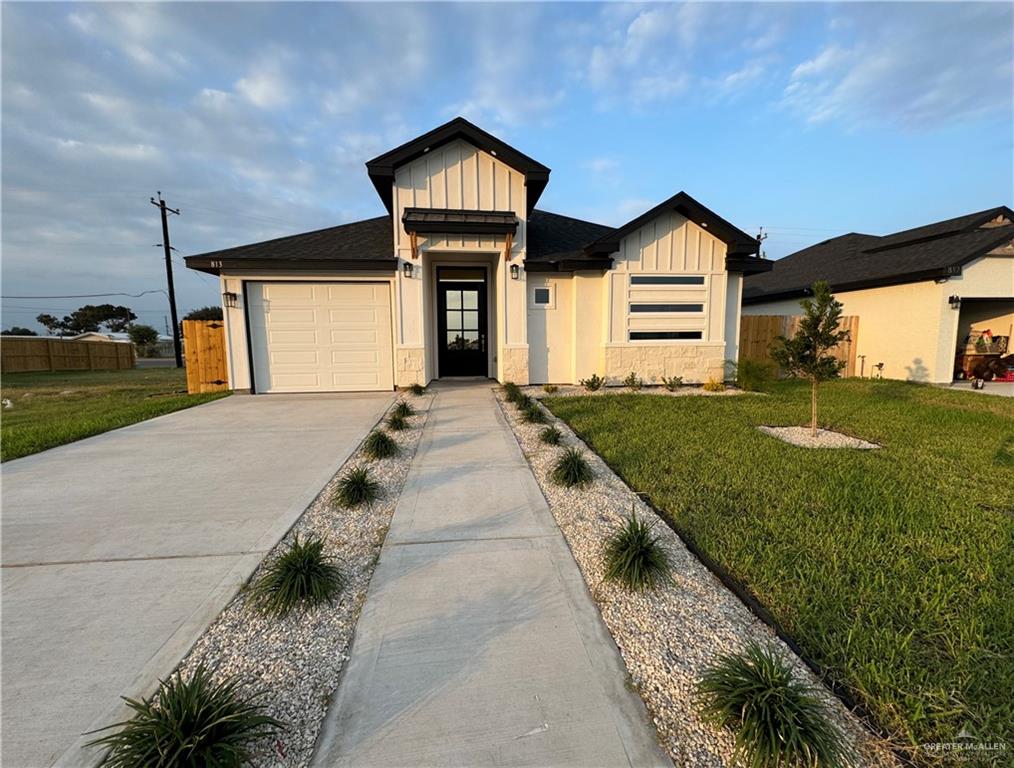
(465, 277)
(919, 294)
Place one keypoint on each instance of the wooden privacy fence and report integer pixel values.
(756, 332)
(27, 354)
(204, 341)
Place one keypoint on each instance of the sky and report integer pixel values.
(255, 119)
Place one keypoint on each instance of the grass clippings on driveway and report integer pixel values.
(891, 568)
(51, 409)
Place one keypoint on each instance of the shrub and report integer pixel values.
(301, 576)
(550, 389)
(550, 436)
(395, 422)
(193, 721)
(713, 385)
(417, 389)
(379, 445)
(403, 409)
(572, 469)
(532, 414)
(754, 375)
(673, 383)
(633, 381)
(522, 401)
(634, 556)
(357, 487)
(511, 391)
(778, 721)
(593, 382)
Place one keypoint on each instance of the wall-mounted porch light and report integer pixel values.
(229, 300)
(955, 302)
(406, 269)
(515, 271)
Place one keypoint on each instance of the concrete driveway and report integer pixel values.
(120, 549)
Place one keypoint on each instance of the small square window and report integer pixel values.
(542, 298)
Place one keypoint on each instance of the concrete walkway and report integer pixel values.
(120, 549)
(479, 644)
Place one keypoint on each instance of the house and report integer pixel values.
(464, 276)
(928, 299)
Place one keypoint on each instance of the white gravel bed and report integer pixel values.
(825, 438)
(576, 390)
(669, 636)
(297, 660)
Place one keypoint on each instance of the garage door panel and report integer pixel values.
(301, 292)
(358, 316)
(302, 336)
(346, 359)
(280, 315)
(318, 337)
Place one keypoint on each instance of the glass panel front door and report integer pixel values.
(461, 319)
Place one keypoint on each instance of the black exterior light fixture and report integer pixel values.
(406, 269)
(955, 302)
(229, 300)
(515, 272)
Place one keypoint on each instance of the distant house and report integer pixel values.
(928, 299)
(464, 276)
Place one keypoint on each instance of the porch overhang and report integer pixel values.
(456, 221)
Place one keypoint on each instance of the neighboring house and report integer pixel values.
(923, 296)
(465, 277)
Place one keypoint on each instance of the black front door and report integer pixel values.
(461, 324)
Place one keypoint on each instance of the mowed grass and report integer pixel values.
(893, 568)
(50, 409)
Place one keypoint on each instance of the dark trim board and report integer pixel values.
(569, 265)
(216, 266)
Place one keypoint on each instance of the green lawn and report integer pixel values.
(893, 569)
(50, 409)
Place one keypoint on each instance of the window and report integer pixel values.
(666, 307)
(542, 298)
(667, 279)
(658, 335)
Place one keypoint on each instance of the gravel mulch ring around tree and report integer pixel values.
(825, 438)
(668, 636)
(298, 659)
(576, 390)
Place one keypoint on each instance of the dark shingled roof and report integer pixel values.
(855, 261)
(557, 242)
(554, 242)
(365, 244)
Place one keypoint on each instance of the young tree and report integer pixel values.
(805, 355)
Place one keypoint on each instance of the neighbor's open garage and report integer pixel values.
(320, 337)
(985, 330)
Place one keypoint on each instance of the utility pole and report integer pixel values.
(165, 210)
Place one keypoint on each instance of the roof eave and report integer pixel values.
(217, 266)
(569, 265)
(859, 285)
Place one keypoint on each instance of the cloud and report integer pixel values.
(915, 65)
(265, 86)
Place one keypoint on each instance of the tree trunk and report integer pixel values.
(813, 407)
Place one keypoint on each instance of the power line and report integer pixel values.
(87, 295)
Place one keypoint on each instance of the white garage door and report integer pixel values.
(321, 337)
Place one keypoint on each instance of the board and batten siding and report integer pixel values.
(670, 244)
(459, 176)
